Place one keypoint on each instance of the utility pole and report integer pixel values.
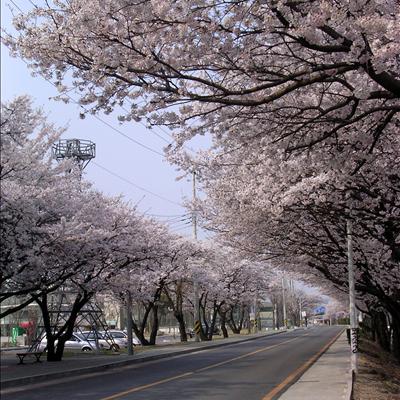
(195, 282)
(352, 310)
(129, 322)
(256, 327)
(284, 303)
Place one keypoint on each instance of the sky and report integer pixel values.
(129, 157)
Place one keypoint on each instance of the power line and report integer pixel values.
(162, 130)
(181, 221)
(108, 124)
(128, 137)
(177, 229)
(16, 5)
(166, 216)
(101, 120)
(119, 132)
(122, 133)
(134, 184)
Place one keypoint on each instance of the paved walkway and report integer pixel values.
(327, 379)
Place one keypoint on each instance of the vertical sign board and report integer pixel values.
(354, 340)
(266, 314)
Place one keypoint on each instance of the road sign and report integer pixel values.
(303, 314)
(319, 310)
(197, 327)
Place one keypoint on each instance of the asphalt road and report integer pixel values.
(248, 371)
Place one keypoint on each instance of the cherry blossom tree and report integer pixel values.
(33, 224)
(58, 233)
(301, 102)
(309, 73)
(294, 211)
(184, 255)
(161, 276)
(108, 241)
(229, 286)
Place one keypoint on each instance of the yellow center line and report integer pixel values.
(160, 382)
(299, 371)
(245, 355)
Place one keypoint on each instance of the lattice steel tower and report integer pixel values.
(81, 151)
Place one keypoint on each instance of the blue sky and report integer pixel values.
(117, 157)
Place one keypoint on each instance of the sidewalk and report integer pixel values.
(13, 374)
(328, 378)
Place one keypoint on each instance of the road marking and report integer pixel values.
(245, 355)
(160, 382)
(138, 388)
(299, 371)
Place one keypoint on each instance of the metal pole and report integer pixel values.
(256, 327)
(284, 303)
(195, 283)
(129, 322)
(352, 310)
(301, 311)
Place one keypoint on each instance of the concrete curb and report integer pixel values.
(80, 371)
(350, 386)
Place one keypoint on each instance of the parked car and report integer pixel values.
(74, 343)
(104, 342)
(121, 337)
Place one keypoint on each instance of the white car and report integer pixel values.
(104, 342)
(74, 343)
(121, 338)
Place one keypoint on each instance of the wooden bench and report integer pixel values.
(36, 354)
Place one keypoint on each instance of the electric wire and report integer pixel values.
(16, 5)
(134, 184)
(185, 224)
(101, 120)
(128, 137)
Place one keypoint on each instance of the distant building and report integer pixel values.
(266, 315)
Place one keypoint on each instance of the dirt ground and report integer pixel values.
(378, 374)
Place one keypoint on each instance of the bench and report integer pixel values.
(36, 354)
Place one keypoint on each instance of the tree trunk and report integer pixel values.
(213, 321)
(232, 324)
(379, 323)
(149, 306)
(139, 330)
(139, 333)
(203, 318)
(222, 315)
(154, 326)
(177, 306)
(182, 326)
(395, 348)
(64, 332)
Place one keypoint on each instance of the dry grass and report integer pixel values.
(379, 374)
